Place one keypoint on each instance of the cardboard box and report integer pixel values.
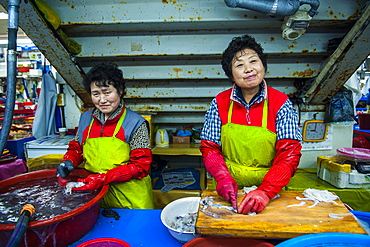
(181, 140)
(162, 198)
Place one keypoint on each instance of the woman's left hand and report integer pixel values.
(254, 201)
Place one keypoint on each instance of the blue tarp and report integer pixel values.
(44, 122)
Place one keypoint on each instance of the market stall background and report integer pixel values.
(170, 53)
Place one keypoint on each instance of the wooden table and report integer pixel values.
(277, 221)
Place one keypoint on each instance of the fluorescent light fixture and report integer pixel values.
(24, 41)
(19, 41)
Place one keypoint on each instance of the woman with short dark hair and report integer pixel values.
(250, 134)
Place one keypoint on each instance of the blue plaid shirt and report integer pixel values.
(286, 118)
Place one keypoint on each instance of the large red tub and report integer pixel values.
(61, 230)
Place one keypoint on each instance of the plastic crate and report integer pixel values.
(327, 240)
(16, 147)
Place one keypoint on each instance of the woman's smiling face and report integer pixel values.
(106, 99)
(247, 69)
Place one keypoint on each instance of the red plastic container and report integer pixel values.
(364, 121)
(104, 242)
(24, 69)
(61, 230)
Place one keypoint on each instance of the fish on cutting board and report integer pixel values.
(277, 221)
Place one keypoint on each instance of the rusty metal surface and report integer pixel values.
(344, 61)
(43, 37)
(170, 51)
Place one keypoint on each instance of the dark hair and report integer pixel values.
(236, 45)
(105, 74)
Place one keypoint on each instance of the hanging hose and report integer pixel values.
(270, 7)
(13, 11)
(21, 226)
(274, 7)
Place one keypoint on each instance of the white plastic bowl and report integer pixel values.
(176, 208)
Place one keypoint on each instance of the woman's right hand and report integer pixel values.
(215, 164)
(228, 189)
(64, 168)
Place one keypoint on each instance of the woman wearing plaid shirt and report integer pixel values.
(250, 134)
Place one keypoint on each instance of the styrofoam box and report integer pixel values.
(339, 175)
(53, 144)
(358, 178)
(3, 71)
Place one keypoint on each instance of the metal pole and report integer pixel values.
(13, 17)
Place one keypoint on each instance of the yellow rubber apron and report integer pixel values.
(248, 150)
(105, 153)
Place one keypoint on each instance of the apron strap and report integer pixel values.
(264, 113)
(230, 113)
(88, 132)
(119, 124)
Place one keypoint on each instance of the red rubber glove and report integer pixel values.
(254, 201)
(284, 166)
(62, 181)
(92, 182)
(141, 159)
(214, 162)
(137, 167)
(74, 153)
(120, 174)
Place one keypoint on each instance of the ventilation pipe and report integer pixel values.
(295, 22)
(13, 17)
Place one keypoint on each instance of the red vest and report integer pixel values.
(241, 115)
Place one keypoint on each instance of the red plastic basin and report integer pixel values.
(61, 230)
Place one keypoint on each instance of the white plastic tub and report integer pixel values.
(180, 207)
